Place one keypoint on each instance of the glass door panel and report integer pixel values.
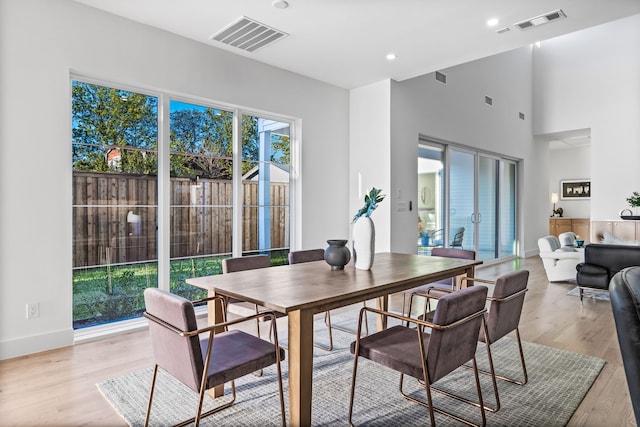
(462, 190)
(507, 231)
(487, 214)
(114, 160)
(265, 180)
(430, 197)
(201, 169)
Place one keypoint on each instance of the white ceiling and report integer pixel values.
(344, 42)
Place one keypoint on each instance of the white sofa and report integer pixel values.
(559, 262)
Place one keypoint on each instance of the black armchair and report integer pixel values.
(624, 291)
(602, 262)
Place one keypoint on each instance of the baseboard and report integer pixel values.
(531, 252)
(36, 344)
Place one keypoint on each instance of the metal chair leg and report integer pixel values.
(429, 402)
(350, 331)
(153, 386)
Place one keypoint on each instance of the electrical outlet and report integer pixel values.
(33, 310)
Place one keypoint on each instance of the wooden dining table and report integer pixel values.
(302, 290)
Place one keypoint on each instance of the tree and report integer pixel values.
(109, 123)
(103, 118)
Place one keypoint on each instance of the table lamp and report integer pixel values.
(554, 200)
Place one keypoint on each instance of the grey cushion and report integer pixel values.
(236, 354)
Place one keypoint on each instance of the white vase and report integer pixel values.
(364, 242)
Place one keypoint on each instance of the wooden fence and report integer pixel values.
(115, 218)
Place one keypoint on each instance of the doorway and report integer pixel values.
(467, 200)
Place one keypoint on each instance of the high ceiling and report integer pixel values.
(345, 42)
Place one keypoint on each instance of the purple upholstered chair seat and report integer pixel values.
(236, 354)
(394, 348)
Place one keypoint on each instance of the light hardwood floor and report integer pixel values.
(57, 388)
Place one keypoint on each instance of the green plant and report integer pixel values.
(634, 200)
(371, 201)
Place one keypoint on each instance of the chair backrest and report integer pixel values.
(449, 349)
(504, 316)
(613, 257)
(624, 292)
(452, 253)
(458, 236)
(308, 255)
(548, 244)
(568, 238)
(251, 262)
(179, 356)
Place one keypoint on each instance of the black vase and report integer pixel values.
(337, 255)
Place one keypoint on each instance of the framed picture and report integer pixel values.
(575, 189)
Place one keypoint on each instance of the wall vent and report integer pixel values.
(539, 20)
(442, 78)
(521, 115)
(247, 34)
(488, 100)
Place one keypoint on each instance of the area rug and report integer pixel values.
(603, 296)
(558, 381)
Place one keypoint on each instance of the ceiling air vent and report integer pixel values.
(539, 20)
(247, 34)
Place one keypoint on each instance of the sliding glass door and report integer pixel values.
(477, 210)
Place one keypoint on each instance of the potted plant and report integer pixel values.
(634, 202)
(364, 233)
(371, 201)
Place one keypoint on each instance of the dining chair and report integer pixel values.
(437, 238)
(446, 284)
(428, 356)
(502, 318)
(203, 362)
(458, 236)
(250, 262)
(308, 255)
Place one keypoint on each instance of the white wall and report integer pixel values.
(456, 112)
(40, 42)
(569, 164)
(369, 155)
(591, 79)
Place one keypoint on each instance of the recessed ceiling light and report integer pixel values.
(391, 56)
(280, 4)
(493, 22)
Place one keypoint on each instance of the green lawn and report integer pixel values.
(108, 294)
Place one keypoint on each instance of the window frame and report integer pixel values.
(164, 98)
